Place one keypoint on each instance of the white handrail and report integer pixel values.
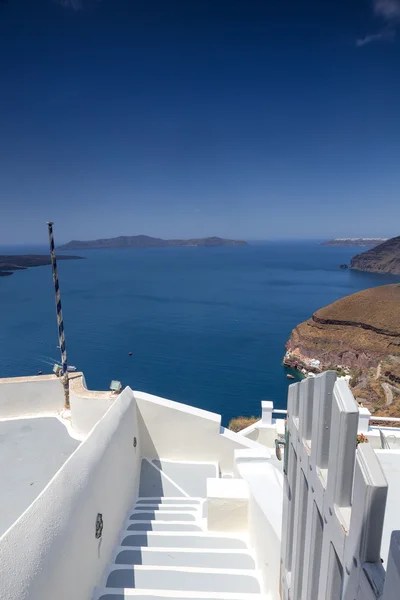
(393, 419)
(280, 411)
(372, 418)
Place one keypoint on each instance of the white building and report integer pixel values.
(132, 495)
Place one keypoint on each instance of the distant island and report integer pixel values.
(359, 336)
(384, 258)
(354, 242)
(9, 264)
(145, 241)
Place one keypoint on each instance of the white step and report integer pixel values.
(140, 594)
(163, 515)
(170, 500)
(161, 539)
(163, 526)
(184, 578)
(171, 507)
(206, 558)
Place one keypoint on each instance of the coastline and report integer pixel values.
(9, 263)
(376, 388)
(303, 366)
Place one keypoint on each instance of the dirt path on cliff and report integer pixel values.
(388, 393)
(378, 371)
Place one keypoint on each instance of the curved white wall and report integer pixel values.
(44, 394)
(51, 552)
(87, 406)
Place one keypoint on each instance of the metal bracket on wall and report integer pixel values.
(99, 525)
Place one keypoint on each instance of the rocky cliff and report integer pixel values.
(361, 333)
(356, 331)
(384, 258)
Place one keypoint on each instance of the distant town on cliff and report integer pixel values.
(364, 241)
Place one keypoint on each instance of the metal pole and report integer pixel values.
(60, 322)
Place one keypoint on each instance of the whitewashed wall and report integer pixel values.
(265, 485)
(51, 552)
(29, 396)
(44, 394)
(87, 406)
(176, 431)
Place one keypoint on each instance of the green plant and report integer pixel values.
(355, 377)
(239, 423)
(341, 372)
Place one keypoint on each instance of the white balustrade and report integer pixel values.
(334, 500)
(266, 412)
(363, 420)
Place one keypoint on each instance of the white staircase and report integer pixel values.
(165, 551)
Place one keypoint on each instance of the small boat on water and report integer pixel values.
(71, 368)
(290, 376)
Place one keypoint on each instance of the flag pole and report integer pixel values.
(60, 322)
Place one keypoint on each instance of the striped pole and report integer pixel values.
(60, 322)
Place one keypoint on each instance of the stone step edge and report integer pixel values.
(156, 509)
(207, 534)
(131, 592)
(156, 550)
(130, 522)
(208, 570)
(171, 461)
(196, 499)
(167, 549)
(146, 506)
(126, 531)
(198, 570)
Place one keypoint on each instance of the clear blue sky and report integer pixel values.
(242, 118)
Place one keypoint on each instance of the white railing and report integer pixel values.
(274, 417)
(334, 500)
(388, 419)
(370, 418)
(364, 421)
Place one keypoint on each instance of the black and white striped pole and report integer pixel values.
(60, 322)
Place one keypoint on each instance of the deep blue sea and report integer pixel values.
(206, 326)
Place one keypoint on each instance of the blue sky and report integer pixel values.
(253, 119)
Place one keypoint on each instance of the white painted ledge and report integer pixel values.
(227, 505)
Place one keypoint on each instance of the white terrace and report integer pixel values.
(132, 495)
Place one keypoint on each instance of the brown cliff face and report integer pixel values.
(357, 331)
(384, 258)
